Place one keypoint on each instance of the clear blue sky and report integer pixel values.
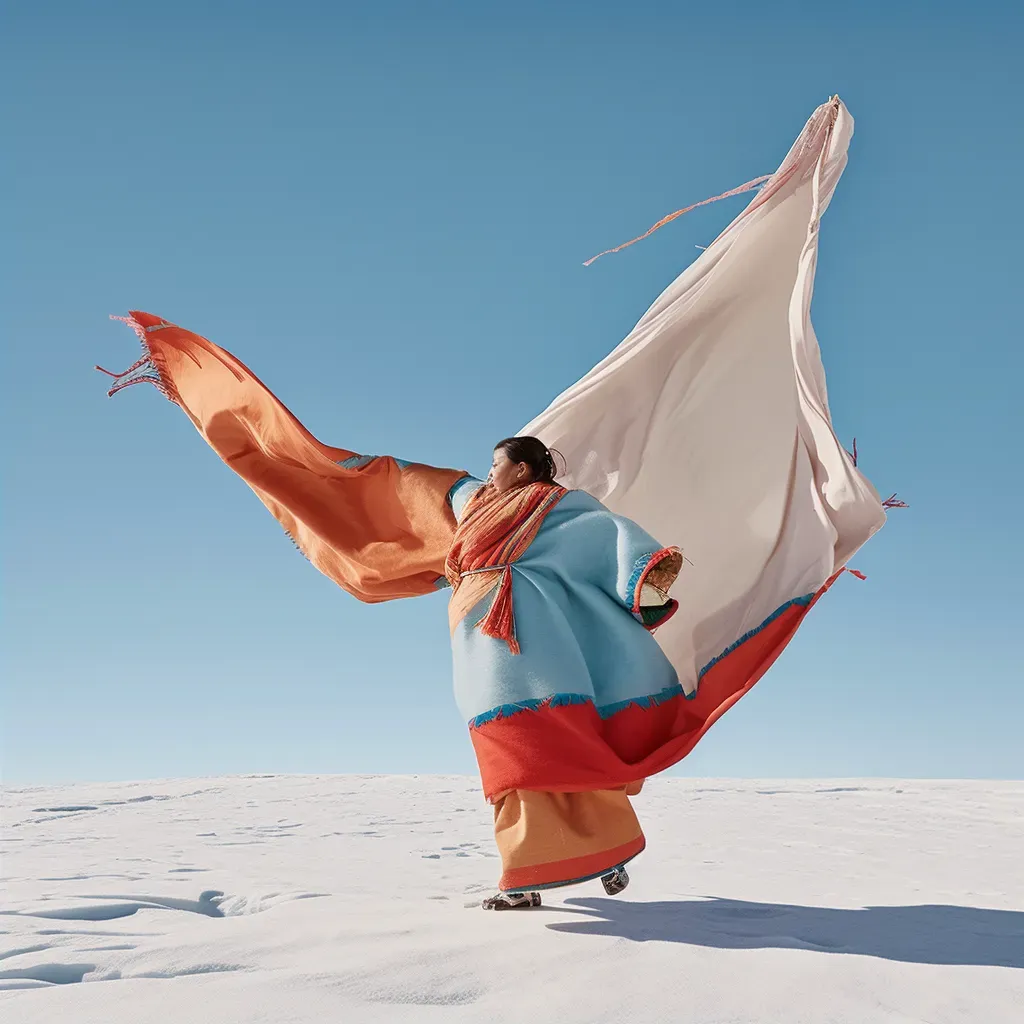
(383, 209)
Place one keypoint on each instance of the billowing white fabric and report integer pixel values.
(709, 424)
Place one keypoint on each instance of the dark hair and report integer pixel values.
(532, 451)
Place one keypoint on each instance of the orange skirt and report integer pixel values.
(551, 839)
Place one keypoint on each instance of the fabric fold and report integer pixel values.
(710, 423)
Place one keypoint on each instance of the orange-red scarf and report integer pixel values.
(495, 531)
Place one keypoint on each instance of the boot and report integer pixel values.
(511, 901)
(615, 881)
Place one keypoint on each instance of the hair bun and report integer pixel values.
(535, 453)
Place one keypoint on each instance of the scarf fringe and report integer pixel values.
(495, 531)
(499, 622)
(143, 371)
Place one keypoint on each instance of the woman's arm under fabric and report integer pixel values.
(612, 552)
(657, 573)
(646, 571)
(462, 490)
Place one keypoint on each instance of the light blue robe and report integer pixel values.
(573, 596)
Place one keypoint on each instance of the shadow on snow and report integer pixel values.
(917, 934)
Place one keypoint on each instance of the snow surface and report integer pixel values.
(356, 898)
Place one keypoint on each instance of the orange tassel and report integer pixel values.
(499, 621)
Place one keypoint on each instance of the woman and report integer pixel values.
(553, 598)
(570, 702)
(711, 416)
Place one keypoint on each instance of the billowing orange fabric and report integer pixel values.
(380, 531)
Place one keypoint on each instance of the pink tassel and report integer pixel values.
(124, 373)
(745, 187)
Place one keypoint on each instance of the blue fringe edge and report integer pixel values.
(636, 575)
(558, 700)
(803, 601)
(650, 700)
(635, 578)
(358, 461)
